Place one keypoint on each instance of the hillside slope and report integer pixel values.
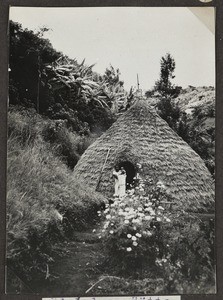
(44, 203)
(199, 106)
(193, 97)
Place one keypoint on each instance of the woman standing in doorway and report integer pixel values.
(115, 175)
(122, 182)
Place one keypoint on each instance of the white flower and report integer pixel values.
(148, 218)
(148, 209)
(111, 231)
(168, 220)
(135, 243)
(108, 217)
(126, 221)
(159, 182)
(106, 225)
(160, 185)
(148, 233)
(178, 264)
(93, 230)
(129, 236)
(158, 219)
(129, 249)
(140, 209)
(138, 235)
(160, 207)
(134, 238)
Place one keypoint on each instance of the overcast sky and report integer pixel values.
(131, 39)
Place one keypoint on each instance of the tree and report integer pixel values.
(167, 67)
(29, 52)
(167, 109)
(164, 85)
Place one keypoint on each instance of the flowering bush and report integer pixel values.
(132, 227)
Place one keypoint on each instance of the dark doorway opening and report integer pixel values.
(130, 172)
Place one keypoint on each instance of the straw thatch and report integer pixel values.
(141, 136)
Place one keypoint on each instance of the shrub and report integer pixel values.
(132, 230)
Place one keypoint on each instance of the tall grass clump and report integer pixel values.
(44, 202)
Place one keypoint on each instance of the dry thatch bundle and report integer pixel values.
(140, 136)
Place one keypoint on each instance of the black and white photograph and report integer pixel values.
(111, 151)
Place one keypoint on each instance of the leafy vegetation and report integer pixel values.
(60, 87)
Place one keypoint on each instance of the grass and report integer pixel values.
(44, 201)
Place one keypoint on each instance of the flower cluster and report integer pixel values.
(132, 221)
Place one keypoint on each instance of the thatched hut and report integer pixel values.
(140, 136)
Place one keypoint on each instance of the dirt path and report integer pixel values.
(78, 269)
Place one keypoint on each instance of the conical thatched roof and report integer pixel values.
(141, 136)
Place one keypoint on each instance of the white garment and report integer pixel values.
(116, 183)
(122, 184)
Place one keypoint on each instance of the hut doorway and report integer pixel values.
(130, 172)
